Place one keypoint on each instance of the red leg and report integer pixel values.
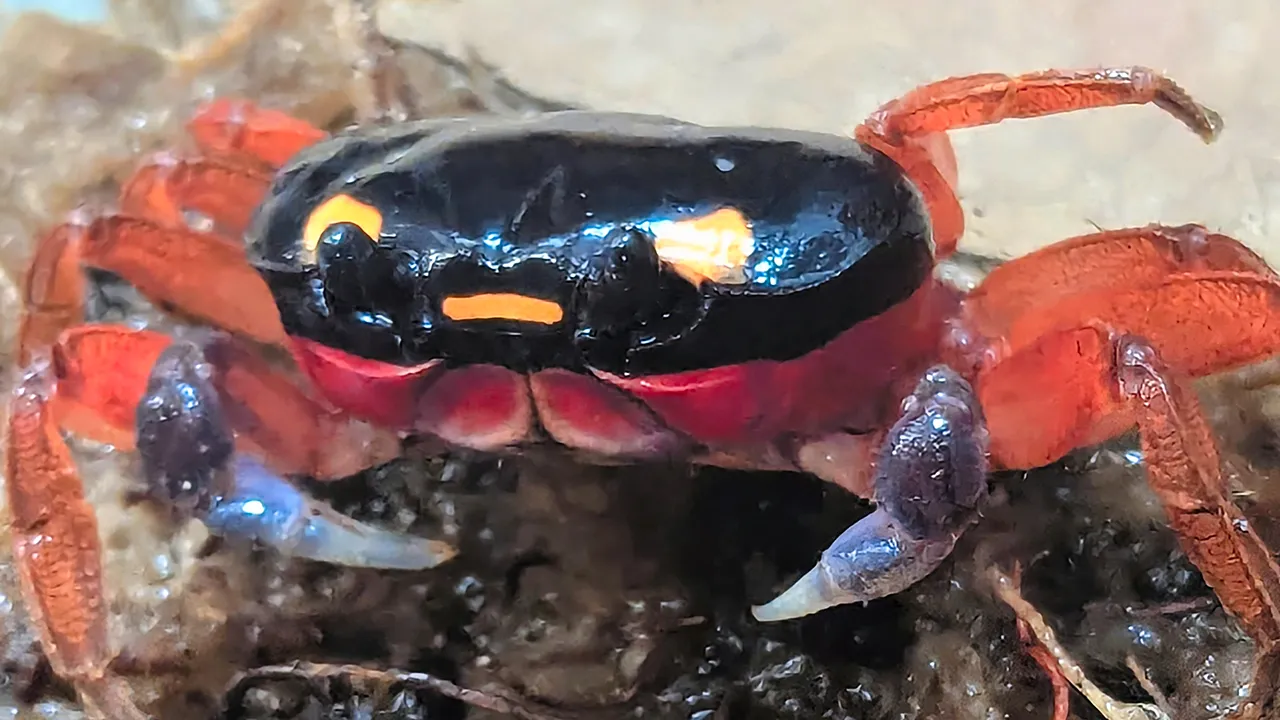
(227, 193)
(1049, 398)
(1129, 258)
(56, 546)
(1041, 397)
(1186, 473)
(904, 128)
(242, 130)
(200, 274)
(1053, 377)
(1080, 386)
(102, 373)
(53, 289)
(1202, 322)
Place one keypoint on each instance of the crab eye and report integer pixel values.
(634, 300)
(342, 254)
(364, 285)
(338, 210)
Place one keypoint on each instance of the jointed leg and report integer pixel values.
(1057, 378)
(187, 451)
(1081, 386)
(202, 273)
(57, 550)
(72, 383)
(1204, 299)
(1039, 395)
(906, 128)
(1128, 259)
(989, 98)
(242, 131)
(167, 188)
(1117, 277)
(1185, 472)
(929, 481)
(1202, 322)
(53, 292)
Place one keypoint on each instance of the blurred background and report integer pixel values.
(824, 64)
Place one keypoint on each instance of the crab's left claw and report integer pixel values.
(188, 458)
(930, 480)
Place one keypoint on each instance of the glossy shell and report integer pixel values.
(574, 214)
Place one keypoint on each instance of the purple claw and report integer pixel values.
(930, 480)
(265, 508)
(187, 453)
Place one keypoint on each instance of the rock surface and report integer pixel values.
(825, 64)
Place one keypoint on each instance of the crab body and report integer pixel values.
(633, 287)
(628, 288)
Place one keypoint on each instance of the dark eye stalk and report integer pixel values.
(633, 300)
(370, 290)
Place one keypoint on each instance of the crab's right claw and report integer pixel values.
(930, 480)
(189, 461)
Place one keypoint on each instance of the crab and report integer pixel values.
(627, 288)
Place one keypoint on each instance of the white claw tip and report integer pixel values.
(808, 595)
(334, 538)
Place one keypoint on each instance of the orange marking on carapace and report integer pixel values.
(502, 306)
(713, 247)
(340, 209)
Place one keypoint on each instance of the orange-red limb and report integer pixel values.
(55, 534)
(226, 193)
(1203, 322)
(1040, 388)
(988, 98)
(102, 373)
(1127, 258)
(1088, 387)
(1049, 398)
(289, 429)
(200, 274)
(930, 162)
(1185, 472)
(53, 291)
(904, 128)
(57, 549)
(243, 130)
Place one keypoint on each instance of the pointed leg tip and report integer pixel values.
(266, 508)
(808, 595)
(364, 546)
(437, 553)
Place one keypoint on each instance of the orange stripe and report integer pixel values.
(502, 306)
(340, 209)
